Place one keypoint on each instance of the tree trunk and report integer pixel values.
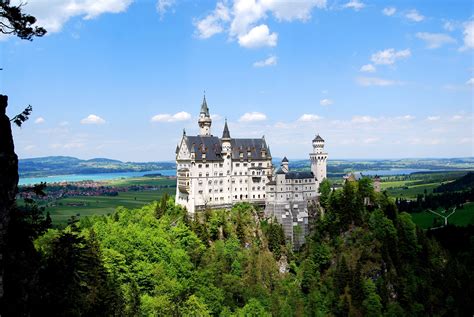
(8, 179)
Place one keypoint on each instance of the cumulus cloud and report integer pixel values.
(213, 23)
(39, 120)
(92, 119)
(258, 36)
(433, 118)
(309, 118)
(242, 19)
(468, 33)
(326, 102)
(470, 82)
(389, 56)
(369, 68)
(363, 119)
(53, 14)
(270, 61)
(435, 40)
(414, 16)
(375, 81)
(253, 116)
(165, 117)
(389, 11)
(354, 4)
(162, 6)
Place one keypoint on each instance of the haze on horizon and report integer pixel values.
(377, 79)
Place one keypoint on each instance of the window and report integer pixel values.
(207, 165)
(260, 164)
(199, 165)
(237, 164)
(200, 174)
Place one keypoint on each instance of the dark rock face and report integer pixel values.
(8, 179)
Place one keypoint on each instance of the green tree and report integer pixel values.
(194, 307)
(325, 191)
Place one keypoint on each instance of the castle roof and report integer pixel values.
(285, 160)
(318, 138)
(204, 108)
(211, 146)
(299, 175)
(226, 133)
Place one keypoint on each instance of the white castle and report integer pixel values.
(215, 172)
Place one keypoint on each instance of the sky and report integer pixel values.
(122, 78)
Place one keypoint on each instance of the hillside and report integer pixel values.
(154, 261)
(64, 165)
(463, 183)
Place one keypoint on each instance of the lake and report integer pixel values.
(394, 171)
(92, 177)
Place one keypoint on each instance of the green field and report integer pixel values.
(102, 205)
(141, 181)
(462, 217)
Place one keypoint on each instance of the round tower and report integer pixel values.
(204, 119)
(318, 159)
(284, 165)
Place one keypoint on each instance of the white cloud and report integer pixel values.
(253, 116)
(63, 123)
(165, 117)
(406, 117)
(259, 36)
(293, 10)
(389, 11)
(470, 82)
(214, 22)
(369, 68)
(435, 40)
(389, 56)
(456, 117)
(270, 61)
(162, 6)
(216, 117)
(468, 33)
(39, 120)
(363, 119)
(326, 102)
(73, 145)
(414, 16)
(53, 14)
(244, 16)
(449, 26)
(92, 119)
(433, 118)
(354, 4)
(375, 81)
(309, 118)
(29, 147)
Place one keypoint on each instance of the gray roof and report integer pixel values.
(285, 160)
(254, 146)
(204, 108)
(318, 138)
(299, 175)
(226, 133)
(212, 147)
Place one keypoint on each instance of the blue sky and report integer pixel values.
(122, 78)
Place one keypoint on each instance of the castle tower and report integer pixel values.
(204, 119)
(284, 165)
(318, 159)
(226, 146)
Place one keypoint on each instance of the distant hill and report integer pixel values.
(462, 183)
(65, 165)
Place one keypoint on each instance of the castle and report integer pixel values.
(215, 172)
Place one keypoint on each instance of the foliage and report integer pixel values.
(13, 21)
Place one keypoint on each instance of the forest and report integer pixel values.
(360, 260)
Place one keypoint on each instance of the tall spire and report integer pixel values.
(204, 108)
(226, 133)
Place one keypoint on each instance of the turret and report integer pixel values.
(318, 159)
(204, 119)
(284, 165)
(226, 145)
